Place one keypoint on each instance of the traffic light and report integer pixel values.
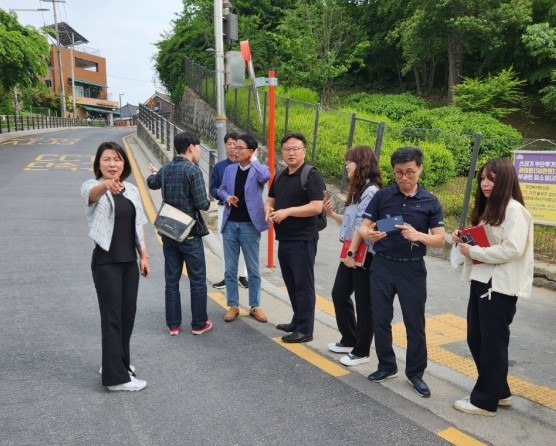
(230, 27)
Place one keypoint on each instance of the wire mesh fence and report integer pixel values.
(330, 132)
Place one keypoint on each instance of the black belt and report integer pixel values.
(400, 259)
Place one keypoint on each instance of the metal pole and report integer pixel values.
(72, 77)
(62, 93)
(349, 144)
(272, 81)
(220, 117)
(470, 177)
(315, 133)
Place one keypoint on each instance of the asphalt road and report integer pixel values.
(233, 385)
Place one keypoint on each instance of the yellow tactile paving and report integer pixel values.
(314, 358)
(448, 328)
(458, 438)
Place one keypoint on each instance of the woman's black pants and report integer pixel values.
(116, 285)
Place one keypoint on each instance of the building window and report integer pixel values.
(48, 83)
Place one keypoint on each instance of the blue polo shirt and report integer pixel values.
(422, 211)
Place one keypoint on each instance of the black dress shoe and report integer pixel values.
(381, 375)
(420, 386)
(297, 337)
(286, 327)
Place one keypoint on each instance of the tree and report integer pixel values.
(24, 53)
(540, 40)
(315, 46)
(464, 27)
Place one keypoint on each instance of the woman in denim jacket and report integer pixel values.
(357, 334)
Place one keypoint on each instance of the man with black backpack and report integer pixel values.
(294, 205)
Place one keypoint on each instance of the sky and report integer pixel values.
(124, 32)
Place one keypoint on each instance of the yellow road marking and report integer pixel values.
(314, 358)
(220, 299)
(145, 196)
(446, 329)
(458, 438)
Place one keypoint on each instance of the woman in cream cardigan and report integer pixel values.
(504, 274)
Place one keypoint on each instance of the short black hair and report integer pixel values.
(407, 154)
(110, 145)
(249, 140)
(231, 135)
(183, 140)
(299, 136)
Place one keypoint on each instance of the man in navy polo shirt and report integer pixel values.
(398, 266)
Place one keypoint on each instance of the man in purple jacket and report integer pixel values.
(242, 223)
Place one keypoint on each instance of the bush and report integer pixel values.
(491, 95)
(395, 107)
(455, 129)
(298, 93)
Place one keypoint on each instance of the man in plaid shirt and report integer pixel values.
(183, 187)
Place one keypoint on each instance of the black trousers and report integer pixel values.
(409, 281)
(297, 262)
(117, 285)
(356, 333)
(488, 338)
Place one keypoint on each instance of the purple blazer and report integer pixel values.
(257, 177)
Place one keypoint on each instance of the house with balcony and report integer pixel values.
(83, 75)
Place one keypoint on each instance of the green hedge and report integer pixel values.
(395, 107)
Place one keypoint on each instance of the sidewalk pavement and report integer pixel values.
(451, 371)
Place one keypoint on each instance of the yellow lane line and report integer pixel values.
(446, 329)
(220, 299)
(314, 358)
(145, 196)
(458, 438)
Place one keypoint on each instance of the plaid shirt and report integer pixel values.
(184, 188)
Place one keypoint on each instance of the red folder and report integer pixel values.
(360, 254)
(479, 236)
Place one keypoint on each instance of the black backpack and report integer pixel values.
(321, 222)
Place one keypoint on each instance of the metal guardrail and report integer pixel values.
(163, 132)
(15, 123)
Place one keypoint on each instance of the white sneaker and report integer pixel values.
(503, 402)
(133, 386)
(338, 347)
(132, 367)
(465, 406)
(350, 359)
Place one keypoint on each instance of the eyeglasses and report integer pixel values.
(407, 173)
(239, 148)
(292, 149)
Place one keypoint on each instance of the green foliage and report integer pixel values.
(24, 53)
(491, 95)
(395, 107)
(298, 93)
(455, 129)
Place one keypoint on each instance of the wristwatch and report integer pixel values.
(350, 253)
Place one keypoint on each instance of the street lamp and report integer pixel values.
(40, 9)
(121, 94)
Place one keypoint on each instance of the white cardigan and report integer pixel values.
(509, 261)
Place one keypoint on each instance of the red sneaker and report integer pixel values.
(174, 331)
(206, 327)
